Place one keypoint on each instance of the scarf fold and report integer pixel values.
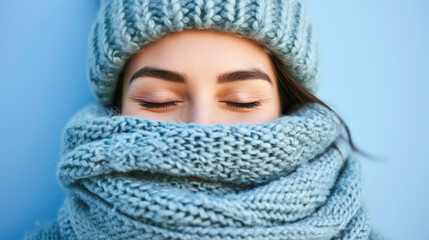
(133, 178)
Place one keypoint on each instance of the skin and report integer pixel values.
(201, 58)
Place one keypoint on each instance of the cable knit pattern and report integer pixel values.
(133, 178)
(124, 26)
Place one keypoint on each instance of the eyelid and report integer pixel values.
(242, 96)
(157, 98)
(155, 93)
(155, 105)
(246, 105)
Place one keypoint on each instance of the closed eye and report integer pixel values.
(157, 105)
(248, 105)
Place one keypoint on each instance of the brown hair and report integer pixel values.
(292, 96)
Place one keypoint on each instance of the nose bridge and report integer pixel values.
(201, 112)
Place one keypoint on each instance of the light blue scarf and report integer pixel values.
(133, 178)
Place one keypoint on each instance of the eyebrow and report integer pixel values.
(158, 73)
(233, 76)
(241, 75)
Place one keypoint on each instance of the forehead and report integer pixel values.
(202, 50)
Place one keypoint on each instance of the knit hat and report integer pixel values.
(124, 26)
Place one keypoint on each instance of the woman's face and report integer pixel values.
(202, 77)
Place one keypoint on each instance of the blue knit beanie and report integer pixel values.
(124, 26)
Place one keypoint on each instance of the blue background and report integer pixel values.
(374, 56)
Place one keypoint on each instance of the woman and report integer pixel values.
(206, 128)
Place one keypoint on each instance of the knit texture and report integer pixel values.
(133, 178)
(47, 231)
(124, 26)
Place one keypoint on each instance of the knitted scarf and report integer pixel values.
(132, 178)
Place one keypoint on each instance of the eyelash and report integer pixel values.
(157, 105)
(248, 105)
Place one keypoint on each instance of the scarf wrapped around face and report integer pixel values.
(133, 178)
